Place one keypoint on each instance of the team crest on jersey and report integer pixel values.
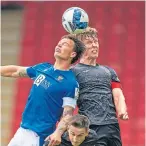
(59, 78)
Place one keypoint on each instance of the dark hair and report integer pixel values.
(79, 121)
(79, 47)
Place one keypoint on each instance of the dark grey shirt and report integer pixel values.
(95, 96)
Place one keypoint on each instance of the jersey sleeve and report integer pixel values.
(114, 76)
(115, 82)
(71, 95)
(33, 70)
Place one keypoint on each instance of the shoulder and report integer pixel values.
(113, 73)
(90, 139)
(71, 76)
(109, 68)
(76, 67)
(42, 65)
(72, 80)
(92, 134)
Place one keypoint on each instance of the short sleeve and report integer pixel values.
(71, 95)
(33, 70)
(114, 76)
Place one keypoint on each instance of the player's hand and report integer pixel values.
(54, 139)
(123, 116)
(122, 111)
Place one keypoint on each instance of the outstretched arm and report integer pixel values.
(13, 71)
(120, 103)
(55, 138)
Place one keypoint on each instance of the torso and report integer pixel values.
(95, 98)
(44, 105)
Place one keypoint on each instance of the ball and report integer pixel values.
(75, 20)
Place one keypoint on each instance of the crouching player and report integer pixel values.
(78, 133)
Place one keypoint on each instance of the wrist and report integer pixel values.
(59, 132)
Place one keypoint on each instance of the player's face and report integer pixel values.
(77, 135)
(65, 49)
(92, 47)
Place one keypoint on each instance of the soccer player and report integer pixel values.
(78, 133)
(100, 95)
(53, 93)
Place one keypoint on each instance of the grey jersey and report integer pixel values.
(95, 97)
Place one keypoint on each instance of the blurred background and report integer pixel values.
(31, 30)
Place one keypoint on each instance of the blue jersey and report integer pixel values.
(51, 91)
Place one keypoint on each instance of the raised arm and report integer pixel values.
(13, 71)
(55, 138)
(67, 114)
(120, 103)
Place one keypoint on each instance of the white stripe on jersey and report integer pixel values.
(68, 101)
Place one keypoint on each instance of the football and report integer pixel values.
(75, 20)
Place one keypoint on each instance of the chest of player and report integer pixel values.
(50, 83)
(94, 76)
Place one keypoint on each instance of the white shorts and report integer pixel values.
(24, 137)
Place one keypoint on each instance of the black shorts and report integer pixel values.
(107, 135)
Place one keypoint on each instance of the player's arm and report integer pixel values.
(118, 96)
(120, 103)
(55, 138)
(62, 125)
(13, 71)
(69, 104)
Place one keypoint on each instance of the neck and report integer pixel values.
(88, 61)
(62, 65)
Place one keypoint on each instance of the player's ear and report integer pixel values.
(73, 54)
(87, 133)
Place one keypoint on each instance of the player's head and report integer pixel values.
(78, 129)
(90, 39)
(69, 48)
